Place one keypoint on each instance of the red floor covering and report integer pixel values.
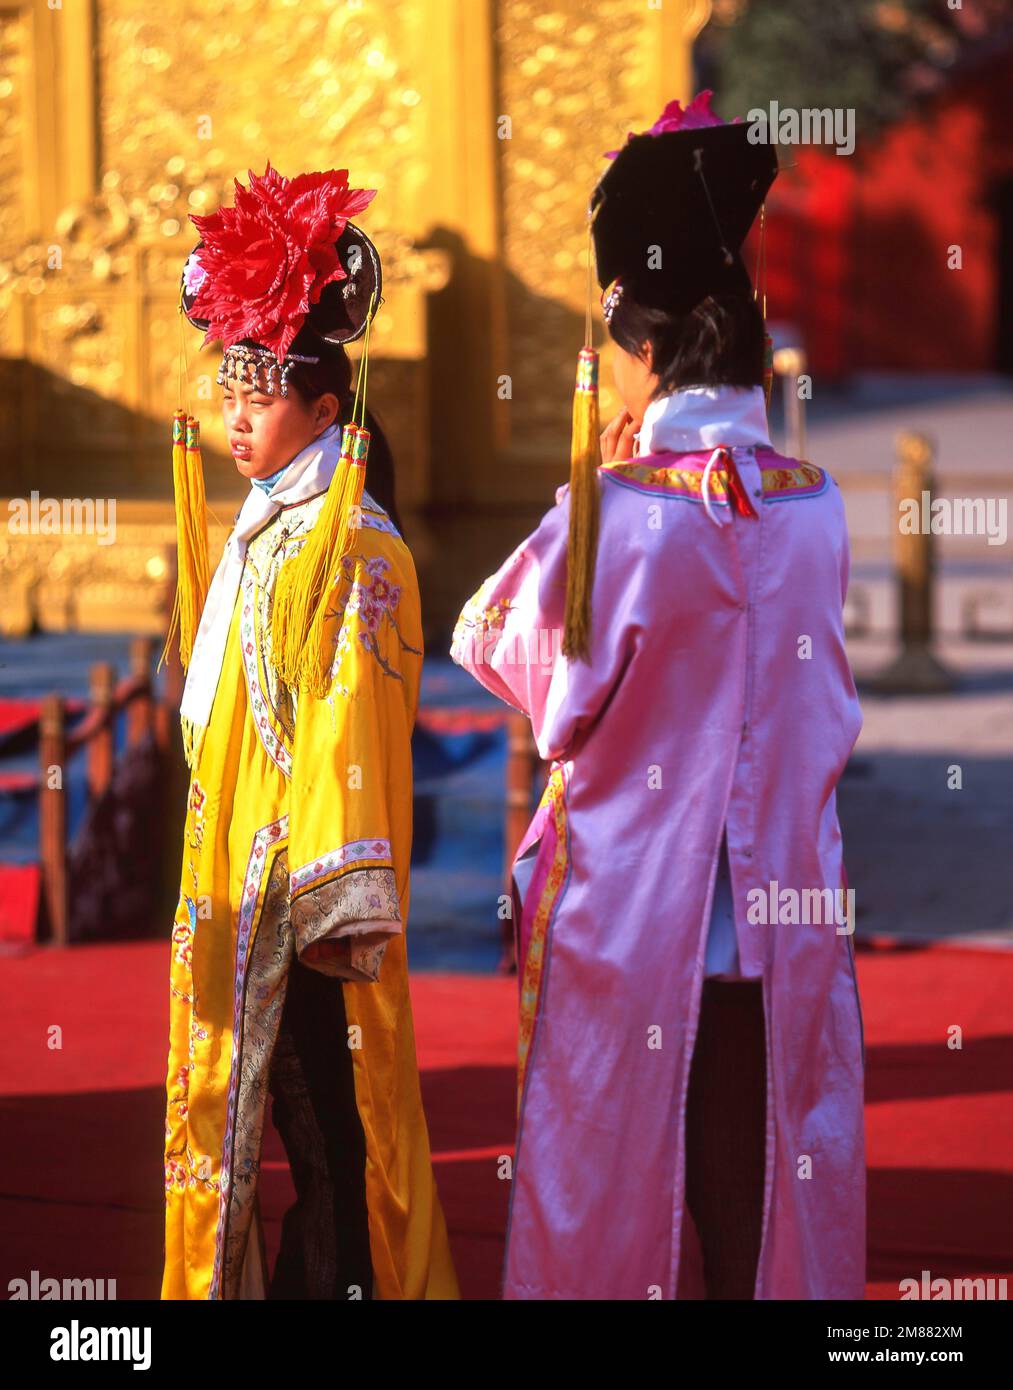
(81, 1186)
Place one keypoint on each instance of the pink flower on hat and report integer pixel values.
(696, 116)
(194, 273)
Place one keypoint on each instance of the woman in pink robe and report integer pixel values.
(691, 801)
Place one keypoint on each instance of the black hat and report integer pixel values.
(673, 209)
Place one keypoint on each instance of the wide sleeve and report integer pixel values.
(843, 547)
(509, 635)
(351, 760)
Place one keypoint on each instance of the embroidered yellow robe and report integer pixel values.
(297, 842)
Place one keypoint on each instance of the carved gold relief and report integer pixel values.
(142, 115)
(13, 41)
(574, 80)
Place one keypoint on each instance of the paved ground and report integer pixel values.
(852, 426)
(924, 859)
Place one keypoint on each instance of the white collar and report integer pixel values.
(308, 474)
(702, 417)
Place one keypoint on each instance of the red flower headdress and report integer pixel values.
(267, 259)
(258, 275)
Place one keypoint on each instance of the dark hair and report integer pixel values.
(334, 373)
(718, 343)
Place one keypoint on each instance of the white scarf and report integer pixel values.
(309, 473)
(702, 417)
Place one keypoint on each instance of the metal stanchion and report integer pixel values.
(101, 745)
(790, 364)
(915, 670)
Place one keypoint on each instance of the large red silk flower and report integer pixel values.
(268, 258)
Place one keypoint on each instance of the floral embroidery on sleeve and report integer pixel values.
(183, 934)
(372, 607)
(479, 619)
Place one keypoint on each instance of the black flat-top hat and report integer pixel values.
(673, 209)
(668, 218)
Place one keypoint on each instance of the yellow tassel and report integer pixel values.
(192, 565)
(193, 741)
(582, 540)
(303, 593)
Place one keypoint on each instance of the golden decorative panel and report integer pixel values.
(118, 120)
(192, 92)
(187, 100)
(68, 581)
(571, 83)
(13, 63)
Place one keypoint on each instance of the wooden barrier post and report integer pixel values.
(102, 683)
(176, 780)
(167, 709)
(140, 710)
(53, 815)
(520, 770)
(915, 670)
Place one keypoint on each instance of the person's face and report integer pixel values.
(266, 432)
(634, 379)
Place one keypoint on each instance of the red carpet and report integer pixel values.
(82, 1120)
(20, 886)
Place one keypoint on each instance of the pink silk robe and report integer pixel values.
(698, 711)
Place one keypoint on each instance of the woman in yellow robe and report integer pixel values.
(296, 861)
(299, 817)
(298, 837)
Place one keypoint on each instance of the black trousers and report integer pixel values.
(325, 1234)
(726, 1134)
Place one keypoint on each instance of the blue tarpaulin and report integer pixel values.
(457, 857)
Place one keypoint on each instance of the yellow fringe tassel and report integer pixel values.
(193, 741)
(303, 593)
(192, 566)
(582, 540)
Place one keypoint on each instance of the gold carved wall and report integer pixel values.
(482, 124)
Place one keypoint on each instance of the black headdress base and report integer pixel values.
(673, 210)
